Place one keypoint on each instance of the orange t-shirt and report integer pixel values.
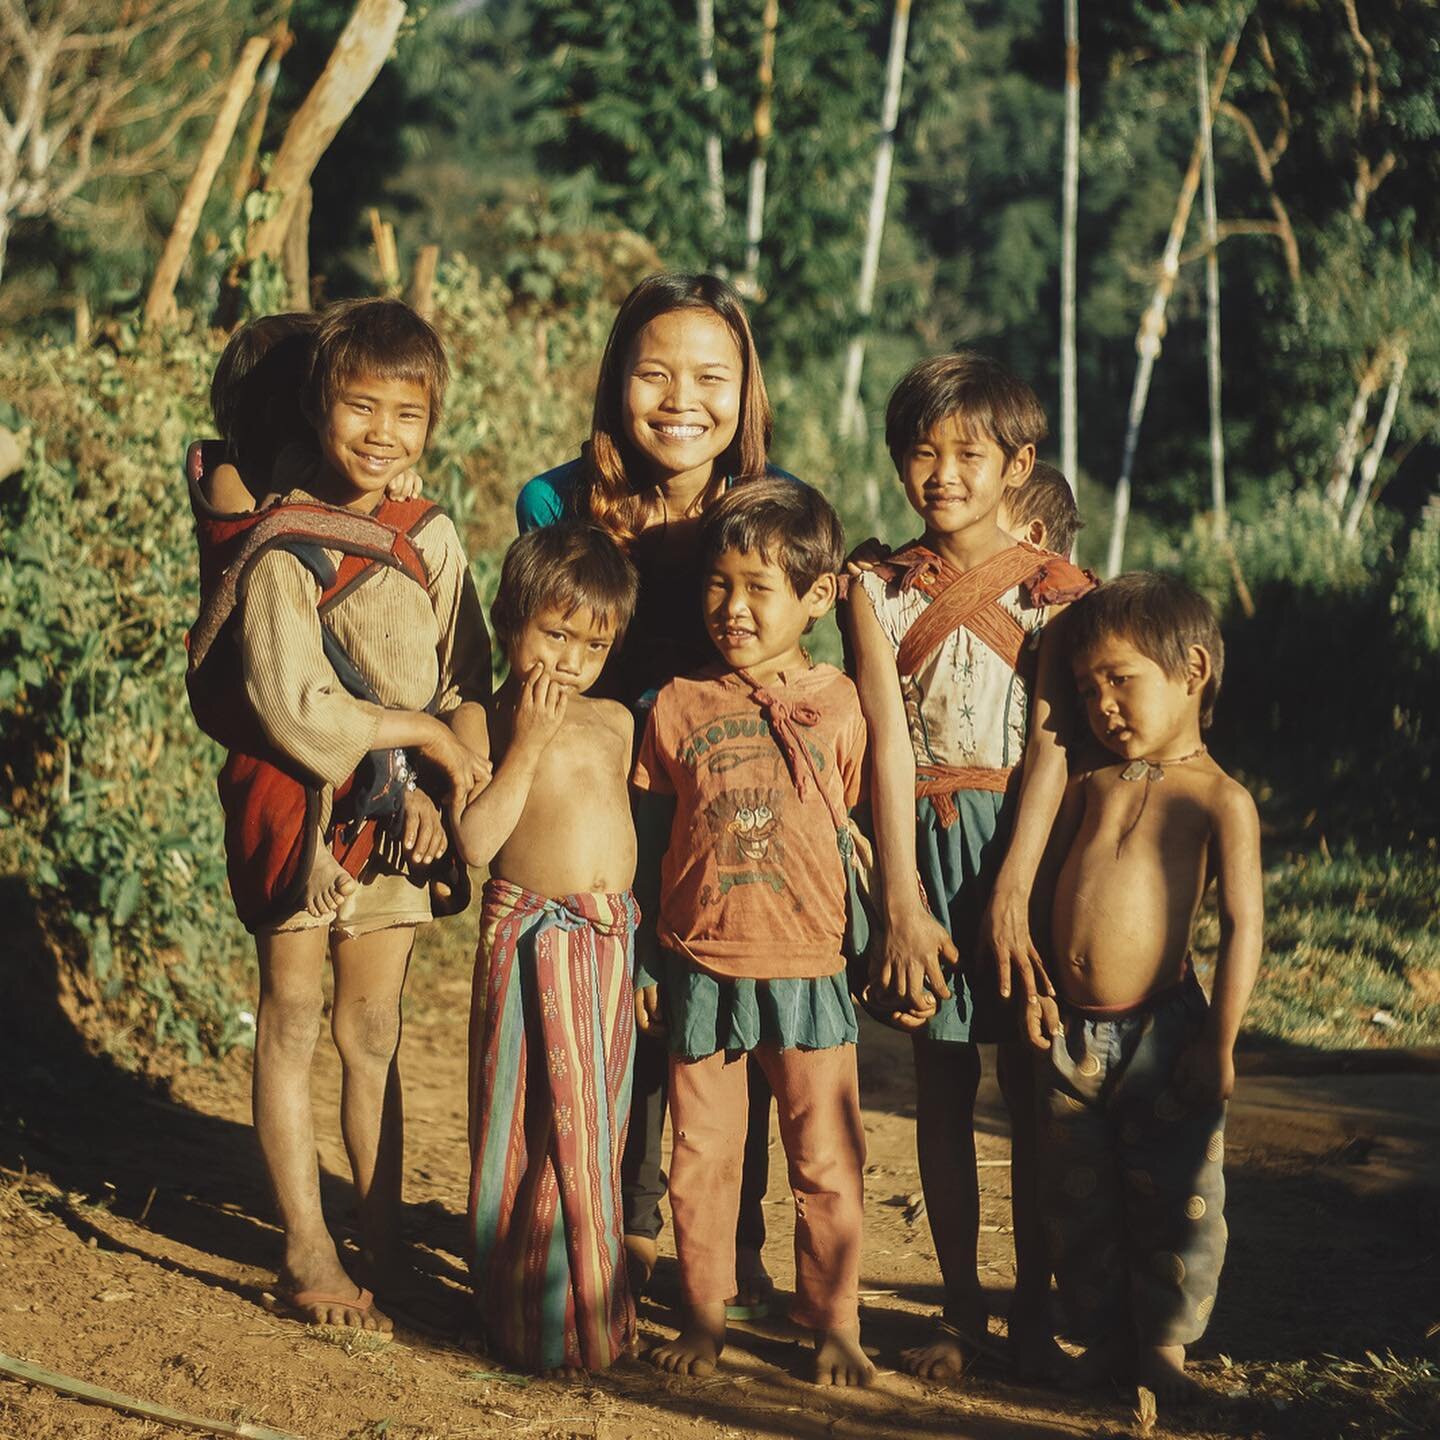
(753, 883)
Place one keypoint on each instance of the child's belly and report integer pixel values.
(1120, 930)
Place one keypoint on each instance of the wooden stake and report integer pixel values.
(714, 162)
(421, 295)
(160, 302)
(281, 39)
(360, 52)
(759, 162)
(1069, 210)
(295, 258)
(1212, 299)
(387, 258)
(83, 1390)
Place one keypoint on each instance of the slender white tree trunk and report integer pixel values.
(714, 163)
(1346, 453)
(1370, 465)
(160, 302)
(360, 52)
(1212, 299)
(1152, 324)
(875, 228)
(764, 126)
(1069, 212)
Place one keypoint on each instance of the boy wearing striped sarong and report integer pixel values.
(552, 1021)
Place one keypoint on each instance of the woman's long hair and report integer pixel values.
(610, 486)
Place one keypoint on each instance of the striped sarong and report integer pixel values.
(552, 1036)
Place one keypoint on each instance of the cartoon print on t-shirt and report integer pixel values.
(746, 830)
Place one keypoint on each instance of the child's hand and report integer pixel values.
(1005, 931)
(1040, 1021)
(405, 486)
(907, 972)
(866, 556)
(1205, 1072)
(424, 839)
(649, 1020)
(540, 710)
(467, 772)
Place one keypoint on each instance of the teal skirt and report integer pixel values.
(957, 866)
(705, 1013)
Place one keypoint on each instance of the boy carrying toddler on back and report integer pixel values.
(1139, 1067)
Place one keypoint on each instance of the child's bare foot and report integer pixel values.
(755, 1293)
(948, 1356)
(328, 886)
(1162, 1369)
(1105, 1364)
(839, 1360)
(695, 1350)
(1034, 1355)
(641, 1252)
(566, 1374)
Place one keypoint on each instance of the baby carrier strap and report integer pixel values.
(962, 597)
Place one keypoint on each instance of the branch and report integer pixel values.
(1264, 161)
(1226, 230)
(126, 35)
(1372, 70)
(1368, 181)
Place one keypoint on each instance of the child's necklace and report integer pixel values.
(1143, 769)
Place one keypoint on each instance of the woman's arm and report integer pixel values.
(908, 969)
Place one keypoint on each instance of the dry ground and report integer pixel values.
(136, 1245)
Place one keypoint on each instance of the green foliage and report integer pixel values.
(1416, 601)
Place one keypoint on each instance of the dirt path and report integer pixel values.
(135, 1244)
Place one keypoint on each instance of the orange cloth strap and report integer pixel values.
(941, 783)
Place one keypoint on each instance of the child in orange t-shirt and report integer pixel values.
(762, 755)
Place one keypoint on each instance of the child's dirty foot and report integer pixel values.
(349, 1312)
(566, 1374)
(641, 1252)
(1162, 1369)
(947, 1357)
(328, 886)
(1100, 1366)
(1035, 1358)
(754, 1299)
(839, 1360)
(698, 1346)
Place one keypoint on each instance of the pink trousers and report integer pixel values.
(817, 1097)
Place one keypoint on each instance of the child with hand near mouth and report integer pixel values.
(758, 759)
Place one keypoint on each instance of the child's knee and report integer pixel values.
(366, 1034)
(289, 1020)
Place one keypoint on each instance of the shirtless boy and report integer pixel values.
(552, 1027)
(1139, 1066)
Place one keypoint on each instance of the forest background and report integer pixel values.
(555, 152)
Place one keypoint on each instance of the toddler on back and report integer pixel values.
(1139, 1067)
(759, 760)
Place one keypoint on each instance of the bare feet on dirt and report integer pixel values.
(641, 1253)
(754, 1296)
(949, 1355)
(697, 1348)
(1099, 1366)
(1035, 1358)
(314, 1288)
(839, 1360)
(1162, 1369)
(328, 886)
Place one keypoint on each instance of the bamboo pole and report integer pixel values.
(421, 294)
(714, 161)
(1069, 214)
(1152, 324)
(360, 52)
(1212, 299)
(764, 127)
(281, 39)
(160, 301)
(874, 230)
(295, 257)
(1370, 465)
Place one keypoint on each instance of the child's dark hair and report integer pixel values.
(1046, 496)
(610, 484)
(255, 391)
(977, 390)
(1162, 617)
(569, 565)
(787, 523)
(381, 338)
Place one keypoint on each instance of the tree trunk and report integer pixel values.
(1370, 465)
(1212, 300)
(1069, 211)
(1152, 324)
(1343, 466)
(360, 52)
(714, 162)
(421, 295)
(755, 210)
(874, 230)
(282, 38)
(160, 302)
(295, 256)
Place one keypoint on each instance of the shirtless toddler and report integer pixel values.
(1139, 1065)
(552, 1029)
